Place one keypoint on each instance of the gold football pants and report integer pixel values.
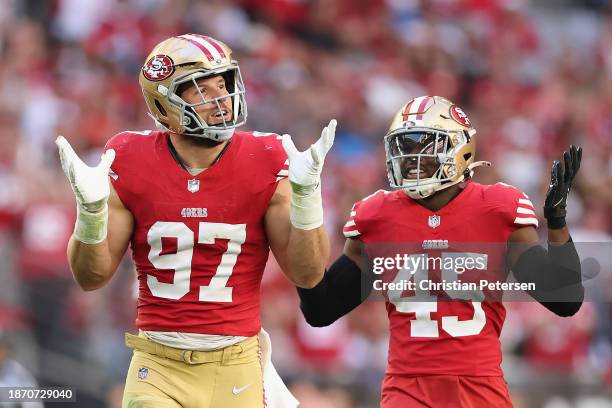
(166, 377)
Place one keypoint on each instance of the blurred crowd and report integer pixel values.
(533, 76)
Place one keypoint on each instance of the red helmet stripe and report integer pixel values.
(212, 42)
(406, 111)
(423, 106)
(199, 45)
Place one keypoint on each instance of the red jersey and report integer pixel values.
(431, 334)
(199, 244)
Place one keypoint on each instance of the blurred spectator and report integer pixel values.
(13, 374)
(533, 77)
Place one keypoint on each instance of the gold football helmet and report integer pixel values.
(183, 59)
(430, 146)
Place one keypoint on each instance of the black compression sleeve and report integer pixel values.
(341, 290)
(556, 275)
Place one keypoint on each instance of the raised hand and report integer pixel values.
(305, 167)
(89, 184)
(561, 179)
(91, 188)
(305, 177)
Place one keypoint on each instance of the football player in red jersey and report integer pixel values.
(200, 204)
(444, 346)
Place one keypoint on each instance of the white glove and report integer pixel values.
(305, 178)
(91, 188)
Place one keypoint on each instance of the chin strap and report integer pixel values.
(221, 134)
(469, 172)
(472, 166)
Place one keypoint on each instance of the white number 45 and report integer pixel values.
(423, 304)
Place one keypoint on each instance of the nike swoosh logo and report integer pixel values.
(237, 391)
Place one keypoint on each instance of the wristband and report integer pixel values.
(555, 223)
(91, 228)
(306, 211)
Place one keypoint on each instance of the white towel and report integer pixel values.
(277, 395)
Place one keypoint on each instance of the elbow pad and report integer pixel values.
(340, 291)
(556, 274)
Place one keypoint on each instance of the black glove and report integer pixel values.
(561, 179)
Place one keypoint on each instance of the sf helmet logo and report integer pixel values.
(459, 116)
(158, 68)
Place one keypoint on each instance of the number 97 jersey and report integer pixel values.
(199, 244)
(437, 328)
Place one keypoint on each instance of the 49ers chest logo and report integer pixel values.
(459, 116)
(158, 68)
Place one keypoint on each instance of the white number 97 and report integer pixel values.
(180, 262)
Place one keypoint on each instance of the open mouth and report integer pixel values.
(412, 171)
(221, 116)
(416, 174)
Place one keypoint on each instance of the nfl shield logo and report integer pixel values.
(143, 372)
(193, 185)
(434, 221)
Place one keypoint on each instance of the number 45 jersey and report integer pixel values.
(434, 329)
(199, 244)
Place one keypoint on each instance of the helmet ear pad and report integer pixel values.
(230, 80)
(189, 117)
